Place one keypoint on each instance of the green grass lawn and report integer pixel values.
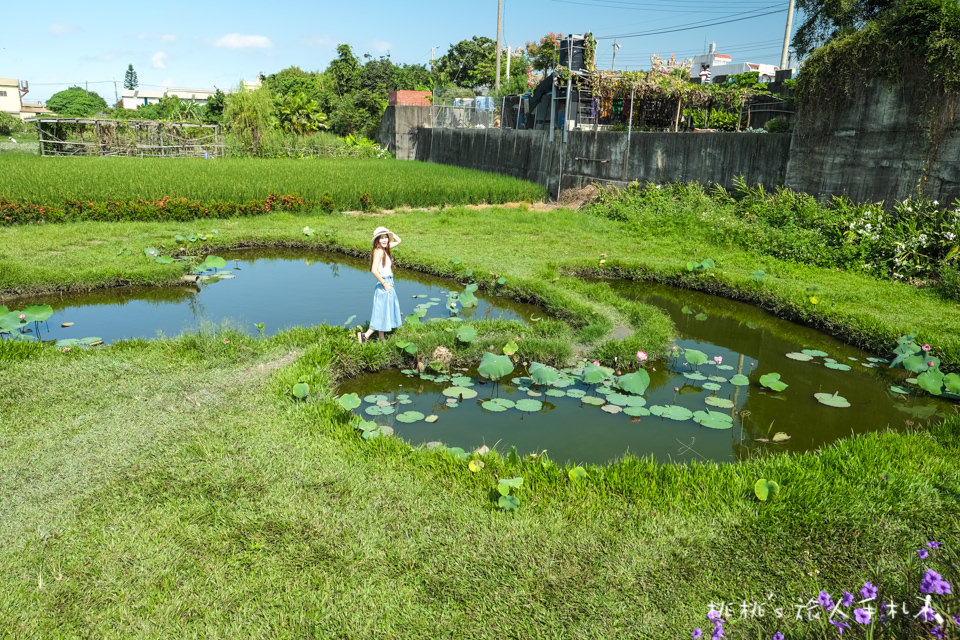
(174, 488)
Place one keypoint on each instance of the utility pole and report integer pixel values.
(496, 82)
(786, 37)
(509, 55)
(116, 96)
(615, 47)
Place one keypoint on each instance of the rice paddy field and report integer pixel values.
(389, 183)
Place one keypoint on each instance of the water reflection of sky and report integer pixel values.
(279, 288)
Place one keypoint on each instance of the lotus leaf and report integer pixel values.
(603, 390)
(802, 357)
(814, 353)
(509, 503)
(869, 365)
(576, 393)
(498, 404)
(476, 465)
(410, 416)
(543, 374)
(534, 394)
(151, 252)
(37, 312)
(951, 382)
(712, 386)
(529, 405)
(911, 381)
(695, 357)
(214, 262)
(91, 341)
(931, 381)
(521, 380)
(577, 473)
(349, 401)
(839, 366)
(765, 489)
(301, 390)
(561, 383)
(724, 367)
(611, 408)
(501, 280)
(408, 372)
(466, 334)
(723, 403)
(634, 401)
(458, 452)
(877, 360)
(467, 299)
(169, 260)
(494, 367)
(461, 381)
(618, 399)
(831, 400)
(556, 393)
(374, 398)
(700, 317)
(713, 419)
(636, 382)
(637, 411)
(693, 375)
(759, 275)
(672, 411)
(687, 311)
(374, 410)
(593, 400)
(595, 373)
(716, 378)
(460, 392)
(772, 381)
(898, 389)
(780, 436)
(504, 485)
(510, 348)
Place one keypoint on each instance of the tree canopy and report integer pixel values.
(468, 63)
(130, 78)
(76, 103)
(827, 19)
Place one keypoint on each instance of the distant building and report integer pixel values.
(10, 96)
(33, 109)
(722, 65)
(198, 96)
(136, 98)
(248, 85)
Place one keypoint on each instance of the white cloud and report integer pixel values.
(63, 29)
(158, 60)
(322, 40)
(168, 37)
(380, 45)
(240, 41)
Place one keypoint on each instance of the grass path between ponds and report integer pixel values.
(171, 488)
(536, 247)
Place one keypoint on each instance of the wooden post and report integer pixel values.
(676, 121)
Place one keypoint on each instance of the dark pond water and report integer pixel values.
(747, 340)
(280, 288)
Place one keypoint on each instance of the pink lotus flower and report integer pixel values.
(926, 347)
(22, 316)
(677, 389)
(596, 363)
(153, 253)
(618, 372)
(718, 359)
(642, 355)
(930, 364)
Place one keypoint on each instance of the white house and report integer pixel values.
(198, 96)
(723, 65)
(136, 98)
(10, 96)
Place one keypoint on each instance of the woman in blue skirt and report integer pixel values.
(386, 305)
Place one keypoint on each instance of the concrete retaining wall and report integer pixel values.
(605, 157)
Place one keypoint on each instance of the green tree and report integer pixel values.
(213, 110)
(543, 53)
(344, 72)
(824, 20)
(294, 80)
(249, 114)
(469, 63)
(296, 113)
(130, 78)
(76, 103)
(10, 124)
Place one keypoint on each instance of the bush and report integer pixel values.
(950, 282)
(10, 124)
(777, 125)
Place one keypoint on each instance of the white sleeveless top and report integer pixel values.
(386, 269)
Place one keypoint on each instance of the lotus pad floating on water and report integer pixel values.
(636, 411)
(593, 400)
(722, 403)
(494, 366)
(576, 393)
(528, 404)
(740, 380)
(898, 389)
(635, 383)
(695, 357)
(832, 400)
(543, 374)
(772, 381)
(461, 381)
(712, 386)
(692, 375)
(556, 393)
(672, 411)
(815, 353)
(498, 404)
(713, 419)
(349, 401)
(410, 416)
(839, 366)
(800, 357)
(724, 367)
(458, 392)
(611, 408)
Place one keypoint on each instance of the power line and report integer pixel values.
(689, 26)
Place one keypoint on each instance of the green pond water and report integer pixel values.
(280, 288)
(747, 341)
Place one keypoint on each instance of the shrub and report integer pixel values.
(9, 124)
(326, 204)
(950, 282)
(777, 125)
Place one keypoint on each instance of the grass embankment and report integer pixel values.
(389, 183)
(193, 497)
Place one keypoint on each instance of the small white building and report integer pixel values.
(136, 98)
(10, 96)
(197, 96)
(723, 65)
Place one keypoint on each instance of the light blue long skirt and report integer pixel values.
(386, 308)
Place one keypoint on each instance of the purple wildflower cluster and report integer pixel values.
(933, 582)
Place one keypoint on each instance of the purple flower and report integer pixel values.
(713, 615)
(697, 633)
(847, 599)
(840, 625)
(956, 620)
(933, 544)
(717, 633)
(933, 582)
(926, 614)
(862, 616)
(824, 600)
(923, 553)
(937, 632)
(869, 592)
(777, 636)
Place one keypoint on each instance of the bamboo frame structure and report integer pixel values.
(143, 138)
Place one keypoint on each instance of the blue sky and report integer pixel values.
(205, 44)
